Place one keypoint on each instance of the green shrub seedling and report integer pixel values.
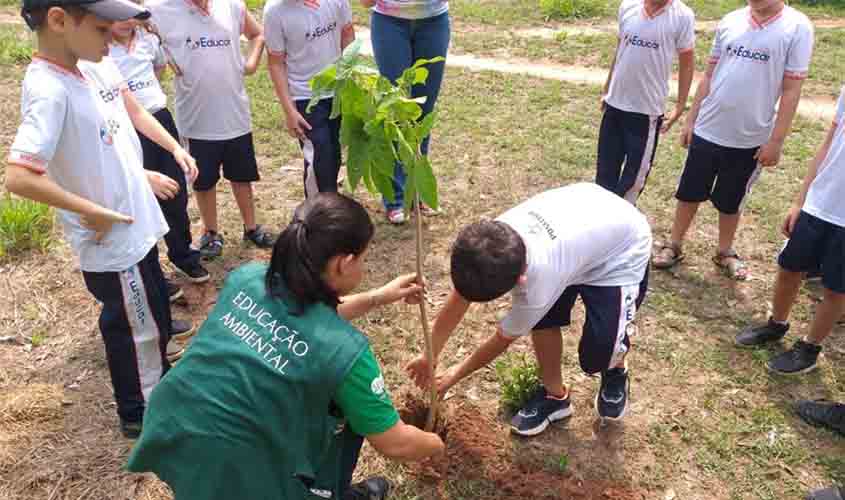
(24, 225)
(519, 378)
(380, 124)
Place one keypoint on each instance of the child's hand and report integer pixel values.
(769, 154)
(667, 125)
(790, 220)
(102, 221)
(418, 371)
(686, 136)
(446, 380)
(296, 125)
(163, 186)
(187, 162)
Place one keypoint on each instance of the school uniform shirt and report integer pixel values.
(580, 234)
(75, 129)
(827, 192)
(749, 60)
(210, 100)
(308, 35)
(138, 63)
(647, 46)
(411, 9)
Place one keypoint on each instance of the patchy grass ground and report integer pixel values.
(707, 421)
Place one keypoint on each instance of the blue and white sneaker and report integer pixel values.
(539, 411)
(612, 399)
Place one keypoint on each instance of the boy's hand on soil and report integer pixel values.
(418, 370)
(102, 221)
(163, 186)
(296, 125)
(187, 162)
(404, 287)
(790, 220)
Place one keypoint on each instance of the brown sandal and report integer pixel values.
(732, 265)
(667, 256)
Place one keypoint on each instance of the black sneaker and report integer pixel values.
(800, 359)
(131, 430)
(612, 399)
(174, 293)
(758, 335)
(832, 493)
(181, 329)
(823, 414)
(260, 237)
(372, 488)
(211, 245)
(194, 273)
(539, 411)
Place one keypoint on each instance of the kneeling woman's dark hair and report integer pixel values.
(324, 225)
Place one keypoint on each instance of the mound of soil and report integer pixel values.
(477, 448)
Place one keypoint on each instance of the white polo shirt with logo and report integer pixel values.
(749, 61)
(75, 129)
(138, 63)
(581, 234)
(210, 101)
(647, 47)
(308, 35)
(826, 197)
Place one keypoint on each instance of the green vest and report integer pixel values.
(245, 415)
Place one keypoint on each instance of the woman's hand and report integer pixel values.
(404, 287)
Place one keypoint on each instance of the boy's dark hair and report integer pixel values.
(36, 18)
(325, 225)
(488, 257)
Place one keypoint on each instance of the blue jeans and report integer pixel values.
(397, 44)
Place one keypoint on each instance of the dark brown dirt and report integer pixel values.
(477, 447)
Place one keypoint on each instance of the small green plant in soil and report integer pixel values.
(24, 225)
(382, 124)
(519, 377)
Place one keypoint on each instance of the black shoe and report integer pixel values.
(174, 293)
(758, 335)
(181, 329)
(612, 399)
(131, 430)
(832, 493)
(194, 273)
(211, 245)
(539, 411)
(823, 414)
(372, 488)
(260, 237)
(800, 359)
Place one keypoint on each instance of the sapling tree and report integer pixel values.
(382, 124)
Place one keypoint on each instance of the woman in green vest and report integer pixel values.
(278, 390)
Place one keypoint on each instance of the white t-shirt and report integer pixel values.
(411, 9)
(749, 62)
(309, 36)
(75, 128)
(138, 62)
(647, 47)
(826, 197)
(211, 101)
(580, 234)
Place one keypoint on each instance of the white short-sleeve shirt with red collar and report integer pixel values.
(210, 99)
(138, 62)
(648, 42)
(827, 192)
(75, 129)
(748, 63)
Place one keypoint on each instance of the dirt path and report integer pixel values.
(812, 107)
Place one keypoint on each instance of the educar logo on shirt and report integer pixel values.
(636, 41)
(761, 55)
(204, 42)
(320, 31)
(108, 131)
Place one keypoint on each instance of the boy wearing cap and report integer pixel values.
(211, 103)
(651, 32)
(741, 115)
(76, 150)
(303, 38)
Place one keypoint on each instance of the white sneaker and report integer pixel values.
(396, 216)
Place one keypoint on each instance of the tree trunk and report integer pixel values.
(429, 350)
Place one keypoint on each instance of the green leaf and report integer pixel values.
(423, 62)
(384, 185)
(425, 182)
(420, 76)
(410, 187)
(356, 141)
(425, 125)
(322, 84)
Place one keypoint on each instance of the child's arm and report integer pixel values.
(609, 75)
(347, 36)
(444, 324)
(146, 123)
(486, 352)
(295, 123)
(255, 34)
(821, 154)
(26, 182)
(769, 154)
(686, 70)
